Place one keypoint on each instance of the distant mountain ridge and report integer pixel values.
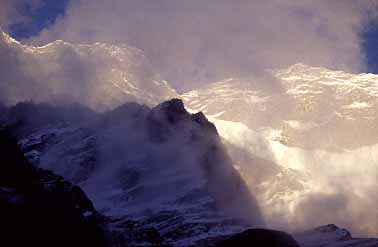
(100, 76)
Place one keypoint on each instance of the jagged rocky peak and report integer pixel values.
(173, 113)
(158, 168)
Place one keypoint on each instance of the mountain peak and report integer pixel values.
(7, 38)
(162, 165)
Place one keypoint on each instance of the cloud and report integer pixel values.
(192, 42)
(17, 12)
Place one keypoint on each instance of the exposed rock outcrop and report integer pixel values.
(39, 208)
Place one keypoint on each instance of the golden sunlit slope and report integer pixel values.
(315, 133)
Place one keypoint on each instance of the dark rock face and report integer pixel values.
(172, 116)
(201, 119)
(165, 118)
(259, 238)
(172, 111)
(39, 208)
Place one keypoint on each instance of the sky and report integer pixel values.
(195, 42)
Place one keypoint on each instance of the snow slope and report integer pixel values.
(314, 131)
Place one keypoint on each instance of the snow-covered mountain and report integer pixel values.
(303, 139)
(101, 76)
(297, 99)
(161, 169)
(312, 133)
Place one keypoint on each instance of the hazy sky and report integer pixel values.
(196, 41)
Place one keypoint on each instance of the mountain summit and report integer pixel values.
(161, 168)
(101, 76)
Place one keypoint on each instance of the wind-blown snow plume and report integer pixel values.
(192, 42)
(100, 76)
(308, 151)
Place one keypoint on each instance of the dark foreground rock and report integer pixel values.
(331, 235)
(39, 208)
(259, 238)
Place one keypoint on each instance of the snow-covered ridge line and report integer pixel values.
(101, 76)
(9, 39)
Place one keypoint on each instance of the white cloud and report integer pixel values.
(195, 41)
